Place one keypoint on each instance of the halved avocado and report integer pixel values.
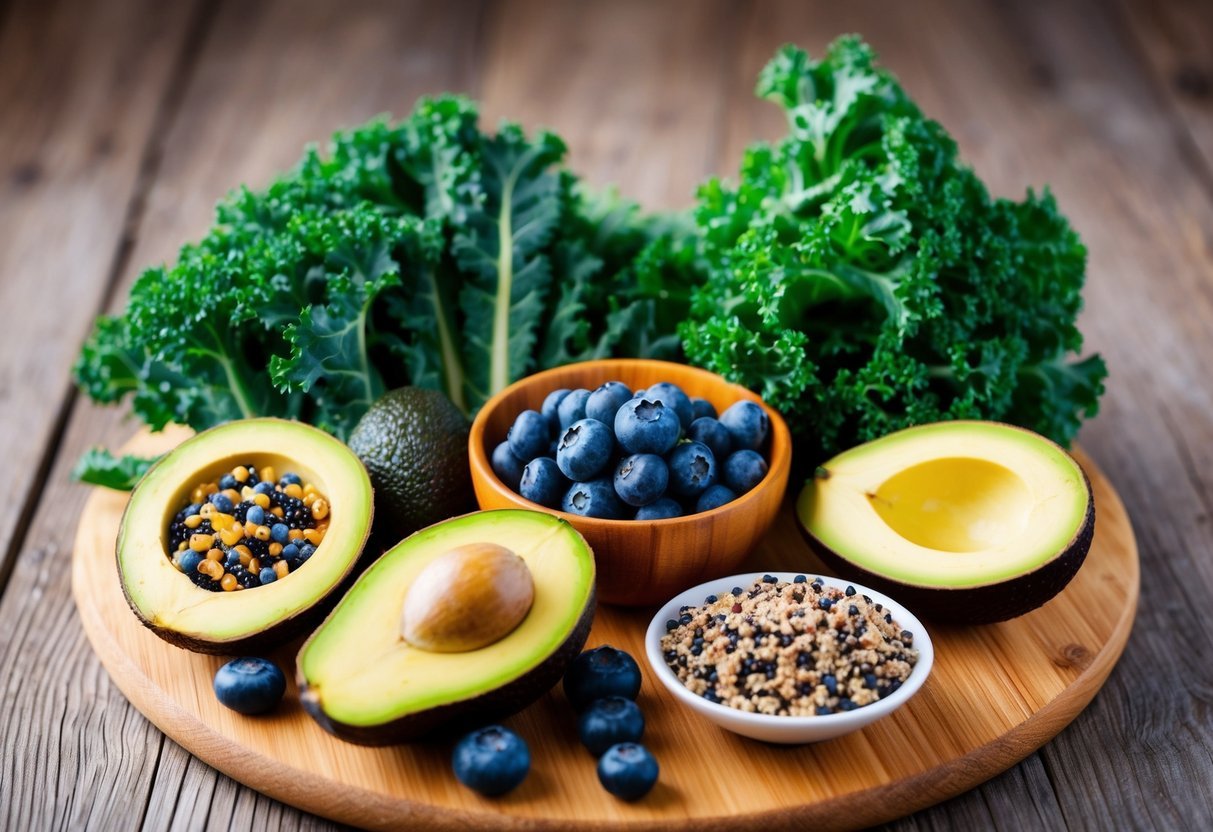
(963, 521)
(362, 681)
(167, 602)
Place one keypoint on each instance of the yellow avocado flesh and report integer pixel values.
(364, 673)
(956, 504)
(167, 600)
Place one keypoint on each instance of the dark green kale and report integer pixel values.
(862, 279)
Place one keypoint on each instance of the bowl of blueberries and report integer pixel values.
(671, 473)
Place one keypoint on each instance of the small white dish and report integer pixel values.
(790, 730)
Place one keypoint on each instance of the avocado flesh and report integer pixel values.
(167, 601)
(949, 508)
(365, 683)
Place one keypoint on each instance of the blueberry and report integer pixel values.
(543, 483)
(713, 434)
(663, 509)
(627, 770)
(529, 435)
(572, 407)
(232, 560)
(643, 426)
(306, 551)
(189, 560)
(506, 466)
(692, 469)
(548, 409)
(222, 503)
(249, 685)
(290, 551)
(715, 497)
(610, 721)
(672, 396)
(743, 470)
(595, 498)
(255, 515)
(491, 761)
(289, 478)
(638, 393)
(702, 409)
(265, 488)
(747, 423)
(641, 479)
(280, 533)
(227, 481)
(585, 449)
(267, 575)
(605, 402)
(599, 673)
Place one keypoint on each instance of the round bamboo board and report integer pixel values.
(995, 695)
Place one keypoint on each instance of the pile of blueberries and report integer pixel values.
(621, 454)
(602, 684)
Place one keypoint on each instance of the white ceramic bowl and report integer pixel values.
(789, 730)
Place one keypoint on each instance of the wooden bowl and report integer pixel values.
(642, 562)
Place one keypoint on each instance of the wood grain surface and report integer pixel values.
(1110, 103)
(995, 694)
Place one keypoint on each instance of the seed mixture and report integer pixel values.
(789, 649)
(247, 530)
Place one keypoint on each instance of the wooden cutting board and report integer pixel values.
(995, 695)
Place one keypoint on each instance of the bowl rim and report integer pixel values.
(859, 717)
(779, 464)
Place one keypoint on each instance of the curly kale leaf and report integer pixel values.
(863, 280)
(98, 466)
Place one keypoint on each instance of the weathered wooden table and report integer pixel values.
(122, 121)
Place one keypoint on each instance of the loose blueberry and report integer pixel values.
(713, 434)
(596, 498)
(263, 487)
(267, 575)
(599, 673)
(572, 407)
(605, 402)
(506, 466)
(550, 404)
(702, 409)
(627, 770)
(529, 435)
(543, 483)
(747, 423)
(643, 426)
(743, 470)
(692, 469)
(232, 560)
(222, 503)
(715, 497)
(249, 685)
(306, 551)
(491, 761)
(671, 396)
(255, 515)
(663, 509)
(641, 479)
(585, 449)
(227, 481)
(280, 533)
(610, 721)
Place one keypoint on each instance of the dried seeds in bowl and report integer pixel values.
(789, 649)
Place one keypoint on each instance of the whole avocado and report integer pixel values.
(414, 443)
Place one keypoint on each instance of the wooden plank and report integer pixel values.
(1036, 95)
(75, 753)
(633, 87)
(1175, 41)
(74, 139)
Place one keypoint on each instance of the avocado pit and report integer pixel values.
(467, 598)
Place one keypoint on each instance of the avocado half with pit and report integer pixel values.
(463, 622)
(964, 521)
(256, 619)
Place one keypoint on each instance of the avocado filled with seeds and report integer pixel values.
(233, 540)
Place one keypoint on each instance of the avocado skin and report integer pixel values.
(467, 713)
(413, 442)
(977, 605)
